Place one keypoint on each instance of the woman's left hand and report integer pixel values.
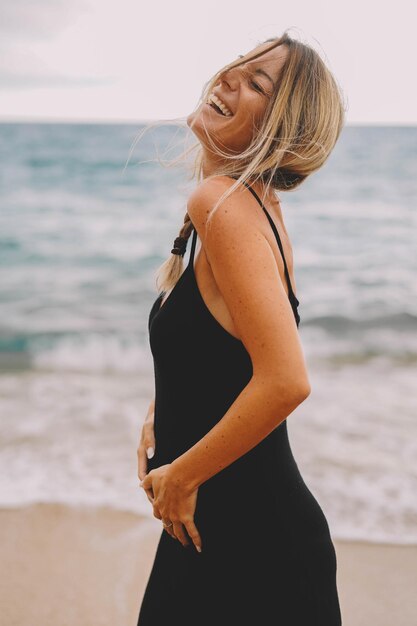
(173, 502)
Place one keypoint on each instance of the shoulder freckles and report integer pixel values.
(234, 230)
(233, 210)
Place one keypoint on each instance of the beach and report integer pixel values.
(82, 566)
(81, 240)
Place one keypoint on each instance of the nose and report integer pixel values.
(232, 76)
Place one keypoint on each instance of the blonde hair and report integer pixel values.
(300, 128)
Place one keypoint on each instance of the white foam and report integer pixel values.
(72, 437)
(94, 353)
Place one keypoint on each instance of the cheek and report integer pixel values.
(253, 109)
(247, 121)
(259, 113)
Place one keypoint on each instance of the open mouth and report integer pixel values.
(218, 105)
(217, 109)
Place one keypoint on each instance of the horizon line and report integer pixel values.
(114, 121)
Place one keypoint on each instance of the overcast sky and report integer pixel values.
(128, 60)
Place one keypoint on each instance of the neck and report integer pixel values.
(210, 164)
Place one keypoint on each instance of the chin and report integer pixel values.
(192, 117)
(196, 128)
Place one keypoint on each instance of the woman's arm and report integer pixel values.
(146, 447)
(246, 273)
(259, 408)
(151, 411)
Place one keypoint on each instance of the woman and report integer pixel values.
(243, 541)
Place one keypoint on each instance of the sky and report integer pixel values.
(133, 61)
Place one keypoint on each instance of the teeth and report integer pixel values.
(220, 104)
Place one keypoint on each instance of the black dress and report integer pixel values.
(268, 558)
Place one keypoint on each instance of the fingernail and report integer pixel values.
(150, 452)
(198, 548)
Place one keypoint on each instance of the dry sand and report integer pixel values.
(63, 566)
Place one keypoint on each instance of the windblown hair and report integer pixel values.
(300, 128)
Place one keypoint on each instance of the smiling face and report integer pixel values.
(246, 92)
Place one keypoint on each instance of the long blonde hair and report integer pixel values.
(301, 126)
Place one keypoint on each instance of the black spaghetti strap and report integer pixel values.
(193, 244)
(278, 238)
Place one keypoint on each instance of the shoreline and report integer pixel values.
(80, 566)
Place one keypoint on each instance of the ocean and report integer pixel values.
(82, 233)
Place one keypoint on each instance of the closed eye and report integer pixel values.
(257, 87)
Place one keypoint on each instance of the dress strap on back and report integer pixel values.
(275, 230)
(278, 238)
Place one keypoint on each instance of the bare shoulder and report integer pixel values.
(246, 273)
(236, 214)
